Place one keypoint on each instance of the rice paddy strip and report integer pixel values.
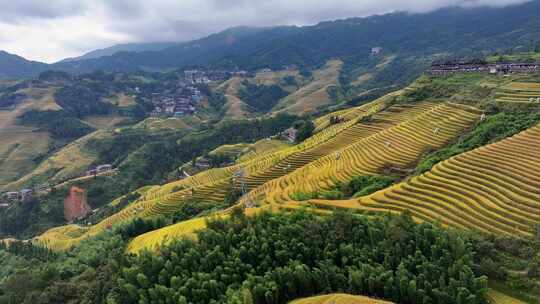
(493, 189)
(396, 147)
(209, 186)
(521, 92)
(339, 299)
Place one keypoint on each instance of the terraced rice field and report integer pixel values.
(338, 298)
(314, 94)
(104, 121)
(235, 108)
(262, 147)
(267, 167)
(65, 237)
(397, 147)
(352, 134)
(69, 162)
(61, 238)
(20, 145)
(212, 185)
(352, 113)
(276, 78)
(497, 297)
(493, 189)
(521, 92)
(395, 136)
(154, 239)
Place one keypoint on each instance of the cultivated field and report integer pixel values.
(386, 139)
(314, 94)
(339, 299)
(21, 144)
(260, 147)
(493, 189)
(69, 162)
(277, 77)
(521, 92)
(103, 121)
(351, 113)
(396, 148)
(235, 108)
(156, 124)
(212, 185)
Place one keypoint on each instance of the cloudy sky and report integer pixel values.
(55, 29)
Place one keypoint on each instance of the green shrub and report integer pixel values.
(261, 97)
(332, 195)
(305, 130)
(304, 196)
(364, 185)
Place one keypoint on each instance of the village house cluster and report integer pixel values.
(8, 198)
(99, 169)
(491, 68)
(181, 102)
(186, 95)
(375, 51)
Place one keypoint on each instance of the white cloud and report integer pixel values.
(52, 30)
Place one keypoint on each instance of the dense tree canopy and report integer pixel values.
(276, 258)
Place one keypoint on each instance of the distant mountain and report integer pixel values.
(13, 66)
(127, 47)
(452, 30)
(190, 53)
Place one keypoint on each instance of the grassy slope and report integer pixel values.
(21, 144)
(70, 161)
(339, 298)
(122, 100)
(363, 76)
(515, 57)
(313, 95)
(276, 78)
(104, 121)
(235, 108)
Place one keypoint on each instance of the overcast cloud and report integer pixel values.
(55, 29)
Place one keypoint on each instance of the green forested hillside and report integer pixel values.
(266, 259)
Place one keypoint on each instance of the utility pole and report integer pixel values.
(239, 176)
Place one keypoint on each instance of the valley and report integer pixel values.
(479, 190)
(391, 158)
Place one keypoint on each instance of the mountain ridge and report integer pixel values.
(450, 31)
(123, 47)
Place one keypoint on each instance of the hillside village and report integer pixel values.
(503, 68)
(184, 98)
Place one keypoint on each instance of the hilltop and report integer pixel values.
(13, 66)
